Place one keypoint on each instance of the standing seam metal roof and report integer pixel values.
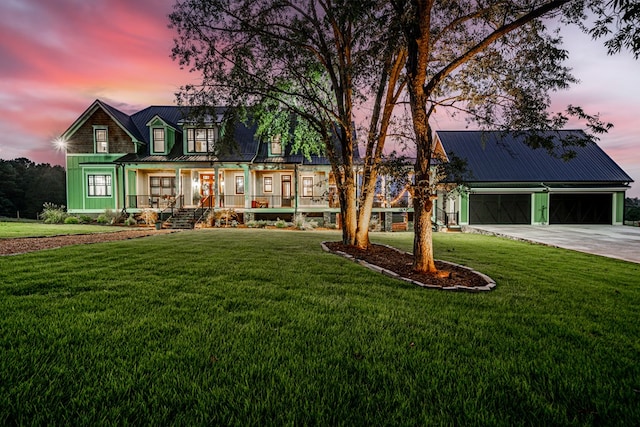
(496, 157)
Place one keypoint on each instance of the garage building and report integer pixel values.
(509, 182)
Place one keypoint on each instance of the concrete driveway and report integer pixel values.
(621, 242)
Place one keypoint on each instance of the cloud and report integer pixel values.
(61, 55)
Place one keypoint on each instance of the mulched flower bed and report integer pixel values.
(31, 244)
(448, 275)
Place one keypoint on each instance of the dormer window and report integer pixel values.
(275, 145)
(101, 139)
(158, 140)
(201, 140)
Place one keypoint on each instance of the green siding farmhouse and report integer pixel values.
(159, 159)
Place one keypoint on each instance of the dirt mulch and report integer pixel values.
(31, 244)
(448, 276)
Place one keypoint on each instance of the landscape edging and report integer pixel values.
(491, 284)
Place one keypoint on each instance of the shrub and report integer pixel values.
(111, 216)
(85, 219)
(280, 223)
(226, 216)
(253, 224)
(131, 220)
(149, 216)
(53, 214)
(102, 219)
(301, 223)
(211, 219)
(71, 220)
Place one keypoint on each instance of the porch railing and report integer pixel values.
(156, 202)
(446, 218)
(271, 201)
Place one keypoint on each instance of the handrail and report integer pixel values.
(173, 204)
(446, 218)
(205, 212)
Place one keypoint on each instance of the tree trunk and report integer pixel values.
(347, 195)
(364, 213)
(418, 32)
(422, 200)
(423, 260)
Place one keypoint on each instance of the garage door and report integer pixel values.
(580, 208)
(500, 209)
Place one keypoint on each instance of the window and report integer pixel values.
(268, 184)
(158, 140)
(275, 145)
(99, 185)
(100, 135)
(307, 186)
(162, 185)
(239, 184)
(201, 140)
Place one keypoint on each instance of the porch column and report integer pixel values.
(248, 188)
(178, 189)
(216, 187)
(295, 190)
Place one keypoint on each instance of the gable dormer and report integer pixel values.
(201, 139)
(162, 136)
(275, 146)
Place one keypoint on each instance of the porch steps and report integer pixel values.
(183, 219)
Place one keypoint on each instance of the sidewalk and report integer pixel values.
(620, 242)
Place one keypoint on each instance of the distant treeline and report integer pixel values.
(25, 186)
(632, 209)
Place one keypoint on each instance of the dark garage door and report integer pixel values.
(580, 208)
(500, 209)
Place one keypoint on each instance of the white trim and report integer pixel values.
(153, 140)
(99, 170)
(523, 190)
(96, 128)
(302, 178)
(235, 184)
(264, 189)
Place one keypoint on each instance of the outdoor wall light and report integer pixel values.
(60, 143)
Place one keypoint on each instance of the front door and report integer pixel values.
(207, 181)
(286, 191)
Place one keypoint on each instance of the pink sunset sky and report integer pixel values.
(58, 56)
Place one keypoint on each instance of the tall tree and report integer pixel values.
(496, 62)
(314, 61)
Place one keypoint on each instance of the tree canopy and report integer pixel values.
(496, 63)
(315, 61)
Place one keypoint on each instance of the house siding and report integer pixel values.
(464, 209)
(540, 208)
(618, 200)
(78, 168)
(82, 140)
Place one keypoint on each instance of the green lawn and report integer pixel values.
(260, 327)
(11, 229)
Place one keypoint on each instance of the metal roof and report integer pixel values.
(499, 157)
(247, 147)
(127, 122)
